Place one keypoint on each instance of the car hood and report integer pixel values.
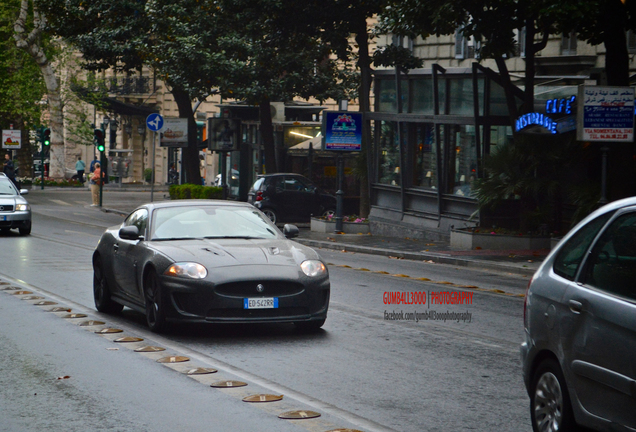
(232, 252)
(11, 200)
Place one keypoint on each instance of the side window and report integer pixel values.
(139, 219)
(572, 253)
(612, 263)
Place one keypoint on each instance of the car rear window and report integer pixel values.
(257, 184)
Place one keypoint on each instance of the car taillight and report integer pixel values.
(259, 196)
(525, 306)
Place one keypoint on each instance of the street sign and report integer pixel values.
(11, 139)
(154, 122)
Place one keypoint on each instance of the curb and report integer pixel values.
(419, 256)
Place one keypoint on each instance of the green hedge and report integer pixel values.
(192, 191)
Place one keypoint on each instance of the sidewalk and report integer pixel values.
(521, 262)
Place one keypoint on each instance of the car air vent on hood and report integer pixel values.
(212, 251)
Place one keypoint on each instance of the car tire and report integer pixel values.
(155, 303)
(5, 230)
(26, 230)
(309, 326)
(271, 214)
(101, 291)
(550, 406)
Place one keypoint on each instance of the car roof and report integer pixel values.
(195, 203)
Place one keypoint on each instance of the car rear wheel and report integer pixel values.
(26, 229)
(550, 407)
(271, 214)
(101, 292)
(309, 326)
(155, 303)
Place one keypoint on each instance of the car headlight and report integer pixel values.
(22, 207)
(313, 268)
(191, 270)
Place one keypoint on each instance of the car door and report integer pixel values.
(300, 198)
(127, 254)
(600, 330)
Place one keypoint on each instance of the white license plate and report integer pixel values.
(4, 218)
(260, 303)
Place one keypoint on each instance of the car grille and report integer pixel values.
(250, 289)
(257, 313)
(6, 208)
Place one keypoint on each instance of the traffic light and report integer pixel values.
(46, 137)
(99, 139)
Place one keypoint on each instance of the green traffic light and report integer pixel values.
(100, 147)
(46, 137)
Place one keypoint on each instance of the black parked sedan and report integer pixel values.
(209, 261)
(290, 198)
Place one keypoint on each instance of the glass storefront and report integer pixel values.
(425, 161)
(389, 163)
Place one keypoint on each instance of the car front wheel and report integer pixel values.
(550, 407)
(155, 304)
(101, 292)
(26, 229)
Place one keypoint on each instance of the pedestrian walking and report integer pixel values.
(80, 166)
(95, 181)
(8, 168)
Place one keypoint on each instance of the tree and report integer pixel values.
(30, 37)
(279, 50)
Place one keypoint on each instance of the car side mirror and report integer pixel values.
(290, 231)
(24, 191)
(130, 232)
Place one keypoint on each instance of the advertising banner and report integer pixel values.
(342, 130)
(174, 132)
(223, 134)
(11, 139)
(606, 114)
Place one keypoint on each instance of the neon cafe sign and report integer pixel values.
(552, 106)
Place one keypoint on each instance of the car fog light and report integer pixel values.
(313, 268)
(191, 270)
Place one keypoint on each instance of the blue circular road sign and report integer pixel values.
(154, 122)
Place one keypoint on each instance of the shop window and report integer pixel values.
(389, 163)
(461, 96)
(425, 169)
(423, 96)
(386, 95)
(462, 163)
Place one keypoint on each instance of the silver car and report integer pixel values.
(15, 211)
(579, 356)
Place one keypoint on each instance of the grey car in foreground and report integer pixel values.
(209, 261)
(579, 356)
(15, 211)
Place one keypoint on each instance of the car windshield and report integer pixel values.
(7, 188)
(177, 223)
